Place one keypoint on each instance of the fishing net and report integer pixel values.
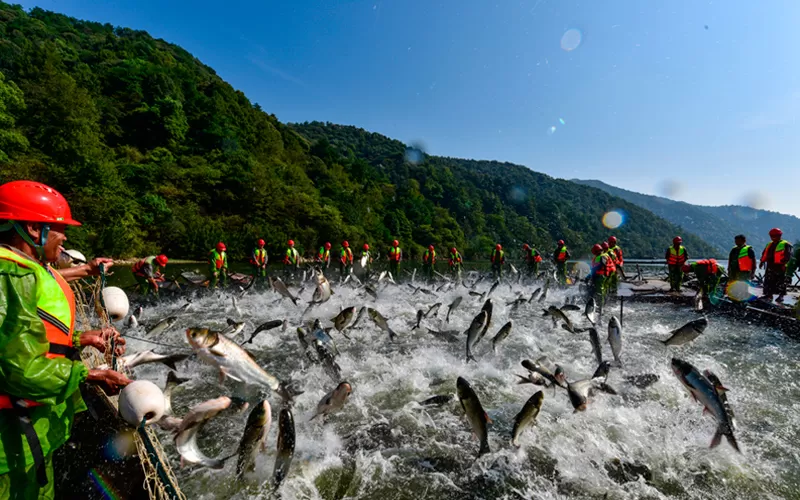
(159, 480)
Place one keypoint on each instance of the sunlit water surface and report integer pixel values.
(643, 443)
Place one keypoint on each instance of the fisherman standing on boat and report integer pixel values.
(498, 258)
(532, 258)
(775, 257)
(40, 364)
(218, 265)
(616, 254)
(560, 257)
(602, 267)
(676, 257)
(741, 260)
(395, 256)
(259, 260)
(291, 259)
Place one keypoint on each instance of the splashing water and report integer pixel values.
(614, 219)
(642, 443)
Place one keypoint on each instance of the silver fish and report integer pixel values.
(434, 309)
(501, 335)
(615, 338)
(579, 393)
(552, 373)
(703, 390)
(534, 295)
(334, 400)
(687, 332)
(477, 417)
(381, 322)
(570, 307)
(254, 438)
(286, 441)
(269, 325)
(488, 307)
(597, 349)
(323, 291)
(558, 315)
(343, 319)
(589, 311)
(437, 400)
(173, 381)
(280, 287)
(132, 322)
(474, 332)
(236, 306)
(721, 390)
(233, 361)
(493, 288)
(148, 356)
(371, 291)
(361, 313)
(602, 370)
(452, 307)
(534, 378)
(139, 311)
(192, 423)
(698, 301)
(234, 327)
(420, 315)
(527, 416)
(163, 325)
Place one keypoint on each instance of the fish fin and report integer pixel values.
(488, 420)
(217, 353)
(721, 388)
(717, 439)
(705, 411)
(732, 441)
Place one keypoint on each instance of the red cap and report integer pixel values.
(366, 246)
(162, 260)
(775, 232)
(327, 245)
(395, 243)
(453, 250)
(499, 246)
(677, 239)
(291, 243)
(346, 244)
(561, 242)
(430, 247)
(597, 250)
(525, 246)
(604, 245)
(30, 201)
(612, 240)
(221, 247)
(261, 243)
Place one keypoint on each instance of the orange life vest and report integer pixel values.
(55, 308)
(617, 255)
(562, 254)
(780, 252)
(745, 262)
(603, 267)
(395, 253)
(710, 266)
(676, 257)
(346, 256)
(137, 268)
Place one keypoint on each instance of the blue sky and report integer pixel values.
(704, 96)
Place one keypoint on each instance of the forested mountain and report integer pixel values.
(156, 152)
(716, 225)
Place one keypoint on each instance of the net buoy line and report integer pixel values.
(159, 480)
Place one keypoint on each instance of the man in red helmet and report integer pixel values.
(324, 255)
(498, 258)
(345, 260)
(775, 257)
(259, 260)
(602, 267)
(148, 273)
(560, 257)
(40, 366)
(218, 265)
(676, 257)
(429, 261)
(532, 258)
(616, 254)
(292, 258)
(395, 256)
(455, 262)
(708, 274)
(366, 261)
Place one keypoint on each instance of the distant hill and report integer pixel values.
(715, 225)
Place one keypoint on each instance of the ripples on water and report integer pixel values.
(650, 443)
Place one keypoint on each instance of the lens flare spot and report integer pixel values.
(571, 39)
(739, 291)
(614, 219)
(561, 121)
(551, 130)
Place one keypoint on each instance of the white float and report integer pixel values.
(116, 302)
(76, 256)
(141, 400)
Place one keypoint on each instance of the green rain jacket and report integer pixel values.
(25, 371)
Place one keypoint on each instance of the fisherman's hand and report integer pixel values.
(99, 339)
(94, 265)
(109, 380)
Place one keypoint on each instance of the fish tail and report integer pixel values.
(732, 440)
(717, 439)
(484, 448)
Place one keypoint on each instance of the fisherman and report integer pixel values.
(148, 273)
(291, 259)
(775, 257)
(611, 278)
(429, 261)
(741, 261)
(366, 259)
(616, 253)
(676, 257)
(345, 259)
(218, 265)
(39, 358)
(324, 255)
(456, 262)
(498, 258)
(708, 274)
(602, 267)
(560, 257)
(532, 258)
(259, 260)
(395, 256)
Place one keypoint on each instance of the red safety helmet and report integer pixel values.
(430, 247)
(597, 250)
(677, 240)
(526, 246)
(686, 268)
(346, 244)
(162, 260)
(612, 240)
(31, 201)
(221, 247)
(395, 243)
(604, 245)
(291, 243)
(327, 245)
(772, 232)
(561, 242)
(261, 243)
(366, 246)
(499, 246)
(453, 250)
